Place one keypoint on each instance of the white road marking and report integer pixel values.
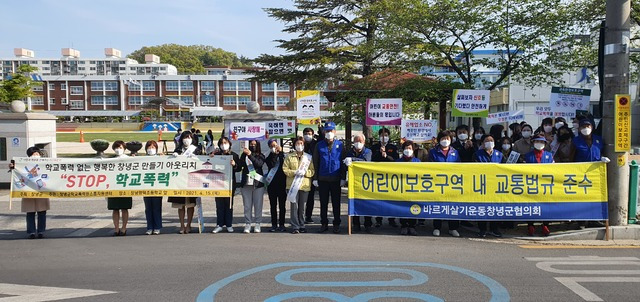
(572, 283)
(32, 293)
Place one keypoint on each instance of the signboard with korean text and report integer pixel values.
(623, 123)
(505, 117)
(308, 107)
(246, 131)
(281, 129)
(565, 101)
(386, 112)
(419, 130)
(121, 177)
(470, 103)
(479, 191)
(544, 111)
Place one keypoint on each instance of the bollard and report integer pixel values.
(633, 191)
(81, 137)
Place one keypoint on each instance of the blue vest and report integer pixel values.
(547, 158)
(404, 160)
(365, 151)
(584, 153)
(329, 160)
(436, 156)
(483, 157)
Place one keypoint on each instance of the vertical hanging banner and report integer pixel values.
(623, 123)
(419, 131)
(281, 129)
(308, 107)
(505, 117)
(470, 103)
(565, 101)
(247, 131)
(387, 112)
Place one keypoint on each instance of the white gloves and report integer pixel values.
(315, 183)
(343, 182)
(347, 161)
(605, 160)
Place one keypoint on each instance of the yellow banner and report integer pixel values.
(623, 122)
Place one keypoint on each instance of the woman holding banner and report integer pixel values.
(31, 206)
(539, 156)
(408, 226)
(224, 205)
(185, 147)
(488, 154)
(444, 153)
(153, 204)
(252, 185)
(298, 167)
(117, 204)
(276, 188)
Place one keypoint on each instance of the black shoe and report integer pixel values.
(466, 223)
(482, 234)
(377, 225)
(40, 235)
(368, 229)
(295, 232)
(308, 220)
(496, 234)
(303, 230)
(404, 231)
(336, 229)
(357, 228)
(273, 229)
(412, 232)
(393, 223)
(323, 229)
(282, 229)
(32, 236)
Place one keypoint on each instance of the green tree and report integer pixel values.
(191, 59)
(19, 85)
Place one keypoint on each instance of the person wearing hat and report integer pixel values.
(359, 153)
(384, 151)
(539, 156)
(31, 206)
(276, 186)
(329, 176)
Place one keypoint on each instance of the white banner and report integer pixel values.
(505, 117)
(247, 131)
(565, 101)
(419, 130)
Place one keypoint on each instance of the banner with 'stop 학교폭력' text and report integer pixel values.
(122, 177)
(479, 191)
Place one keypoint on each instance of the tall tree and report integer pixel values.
(18, 85)
(191, 59)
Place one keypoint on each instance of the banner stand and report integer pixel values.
(349, 221)
(606, 230)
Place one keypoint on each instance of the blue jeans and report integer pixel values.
(31, 222)
(153, 212)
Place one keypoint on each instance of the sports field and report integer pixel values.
(112, 136)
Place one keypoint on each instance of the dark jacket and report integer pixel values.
(257, 159)
(391, 149)
(279, 180)
(234, 170)
(466, 154)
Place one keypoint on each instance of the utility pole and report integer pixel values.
(616, 81)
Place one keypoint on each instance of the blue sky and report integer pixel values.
(240, 26)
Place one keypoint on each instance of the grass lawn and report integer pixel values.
(112, 136)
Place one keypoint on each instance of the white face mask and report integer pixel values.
(35, 156)
(308, 137)
(547, 129)
(506, 146)
(274, 149)
(151, 151)
(445, 143)
(559, 125)
(224, 147)
(186, 142)
(299, 148)
(119, 151)
(384, 139)
(407, 152)
(478, 135)
(526, 134)
(358, 145)
(489, 145)
(585, 131)
(330, 135)
(539, 146)
(463, 136)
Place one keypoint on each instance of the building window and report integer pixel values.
(106, 99)
(242, 86)
(36, 88)
(37, 100)
(241, 99)
(3, 148)
(52, 86)
(64, 101)
(269, 87)
(146, 86)
(63, 86)
(108, 86)
(268, 101)
(52, 101)
(208, 100)
(208, 85)
(76, 90)
(324, 101)
(172, 85)
(186, 86)
(187, 99)
(77, 105)
(135, 100)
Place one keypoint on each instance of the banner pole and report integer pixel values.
(606, 230)
(349, 220)
(11, 191)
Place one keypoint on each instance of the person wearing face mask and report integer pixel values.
(444, 153)
(328, 161)
(298, 167)
(119, 204)
(560, 121)
(576, 126)
(185, 204)
(252, 161)
(516, 132)
(539, 156)
(524, 145)
(309, 145)
(478, 133)
(152, 204)
(384, 151)
(564, 145)
(464, 145)
(547, 128)
(209, 142)
(505, 146)
(408, 225)
(488, 154)
(359, 152)
(276, 186)
(31, 206)
(224, 205)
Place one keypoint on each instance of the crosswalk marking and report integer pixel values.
(32, 293)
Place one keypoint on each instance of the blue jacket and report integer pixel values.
(547, 158)
(481, 156)
(328, 163)
(584, 153)
(365, 155)
(435, 155)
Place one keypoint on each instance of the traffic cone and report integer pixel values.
(81, 137)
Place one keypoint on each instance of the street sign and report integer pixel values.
(623, 122)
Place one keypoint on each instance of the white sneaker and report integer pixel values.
(156, 232)
(148, 232)
(436, 232)
(257, 229)
(247, 228)
(217, 230)
(454, 233)
(230, 229)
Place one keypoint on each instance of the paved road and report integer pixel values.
(79, 259)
